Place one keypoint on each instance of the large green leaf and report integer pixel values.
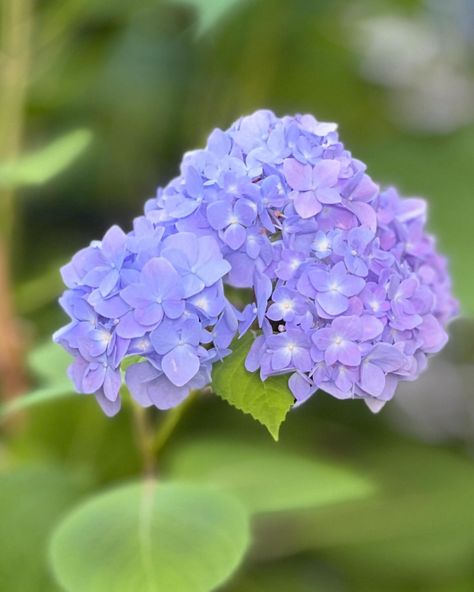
(267, 479)
(266, 401)
(151, 537)
(32, 500)
(39, 167)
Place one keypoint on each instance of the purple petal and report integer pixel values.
(110, 408)
(302, 359)
(371, 328)
(128, 327)
(235, 236)
(149, 316)
(375, 405)
(97, 342)
(109, 282)
(333, 303)
(365, 213)
(306, 204)
(252, 361)
(76, 372)
(162, 278)
(173, 309)
(326, 173)
(138, 377)
(433, 335)
(349, 354)
(297, 175)
(219, 214)
(301, 388)
(320, 279)
(281, 358)
(112, 384)
(349, 327)
(372, 379)
(180, 365)
(352, 285)
(93, 378)
(326, 195)
(387, 357)
(114, 240)
(111, 308)
(166, 395)
(245, 211)
(137, 295)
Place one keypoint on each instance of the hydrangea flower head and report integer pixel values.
(350, 294)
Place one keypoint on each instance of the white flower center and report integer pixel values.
(294, 264)
(321, 245)
(202, 303)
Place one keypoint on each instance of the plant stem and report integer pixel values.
(150, 441)
(170, 422)
(144, 432)
(15, 54)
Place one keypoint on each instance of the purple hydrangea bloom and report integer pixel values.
(167, 306)
(349, 293)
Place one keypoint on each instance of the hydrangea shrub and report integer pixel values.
(349, 293)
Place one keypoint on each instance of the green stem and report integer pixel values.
(144, 435)
(151, 441)
(170, 422)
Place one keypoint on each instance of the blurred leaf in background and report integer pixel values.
(39, 167)
(267, 479)
(209, 12)
(49, 363)
(32, 500)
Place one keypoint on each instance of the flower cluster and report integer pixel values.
(350, 295)
(149, 295)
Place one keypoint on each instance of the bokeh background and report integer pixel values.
(98, 101)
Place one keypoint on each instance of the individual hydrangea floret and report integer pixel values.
(350, 295)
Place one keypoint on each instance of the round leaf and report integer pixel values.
(151, 537)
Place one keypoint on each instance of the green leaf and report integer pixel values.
(266, 478)
(32, 500)
(148, 537)
(39, 167)
(268, 402)
(420, 521)
(209, 12)
(37, 397)
(49, 362)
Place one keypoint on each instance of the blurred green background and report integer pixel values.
(99, 99)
